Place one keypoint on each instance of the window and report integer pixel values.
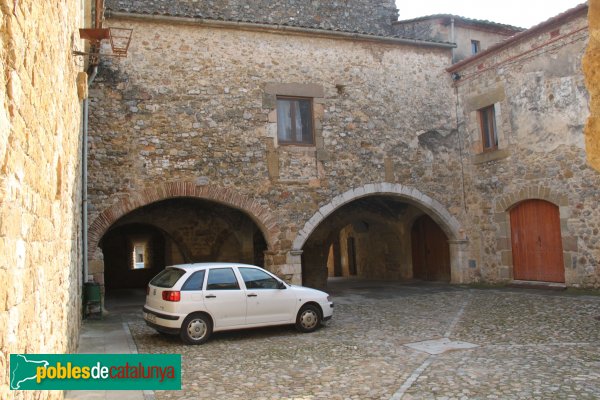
(194, 282)
(257, 279)
(139, 256)
(222, 279)
(294, 121)
(167, 278)
(487, 119)
(475, 46)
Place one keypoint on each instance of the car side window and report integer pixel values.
(257, 279)
(222, 279)
(194, 282)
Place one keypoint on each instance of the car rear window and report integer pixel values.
(167, 278)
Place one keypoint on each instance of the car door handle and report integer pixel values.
(210, 296)
(252, 295)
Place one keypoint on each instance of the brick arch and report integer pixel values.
(436, 210)
(261, 215)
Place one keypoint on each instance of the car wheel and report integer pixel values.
(196, 329)
(308, 319)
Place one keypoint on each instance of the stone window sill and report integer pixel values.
(490, 156)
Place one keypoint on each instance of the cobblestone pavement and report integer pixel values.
(530, 345)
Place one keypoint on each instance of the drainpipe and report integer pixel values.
(84, 157)
(452, 39)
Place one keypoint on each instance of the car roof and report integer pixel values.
(198, 266)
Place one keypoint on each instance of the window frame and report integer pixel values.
(243, 269)
(475, 46)
(237, 281)
(312, 121)
(488, 130)
(158, 280)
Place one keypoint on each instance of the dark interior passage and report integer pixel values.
(376, 237)
(176, 231)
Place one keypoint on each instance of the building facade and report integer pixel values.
(192, 158)
(523, 106)
(326, 152)
(200, 134)
(471, 36)
(315, 142)
(40, 181)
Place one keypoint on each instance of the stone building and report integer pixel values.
(522, 107)
(392, 177)
(470, 35)
(40, 181)
(185, 144)
(317, 147)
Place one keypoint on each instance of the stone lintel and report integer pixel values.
(295, 89)
(493, 95)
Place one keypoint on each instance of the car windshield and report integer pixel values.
(167, 278)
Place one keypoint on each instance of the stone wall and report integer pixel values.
(592, 74)
(40, 184)
(195, 105)
(372, 16)
(541, 102)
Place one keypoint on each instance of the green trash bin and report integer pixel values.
(92, 299)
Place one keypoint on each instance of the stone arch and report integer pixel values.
(508, 201)
(262, 216)
(503, 233)
(436, 210)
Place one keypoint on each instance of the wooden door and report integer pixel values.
(536, 242)
(430, 251)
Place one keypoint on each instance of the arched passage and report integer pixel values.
(133, 254)
(257, 215)
(371, 226)
(175, 231)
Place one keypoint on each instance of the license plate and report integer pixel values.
(150, 317)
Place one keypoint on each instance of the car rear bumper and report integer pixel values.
(160, 328)
(165, 322)
(160, 315)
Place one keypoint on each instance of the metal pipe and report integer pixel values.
(276, 29)
(452, 38)
(84, 177)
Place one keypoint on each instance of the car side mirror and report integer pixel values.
(281, 285)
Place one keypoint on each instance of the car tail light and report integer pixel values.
(171, 295)
(147, 290)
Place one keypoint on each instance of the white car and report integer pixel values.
(194, 300)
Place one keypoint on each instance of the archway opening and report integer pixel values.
(369, 238)
(175, 231)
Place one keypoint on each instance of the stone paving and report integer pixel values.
(531, 344)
